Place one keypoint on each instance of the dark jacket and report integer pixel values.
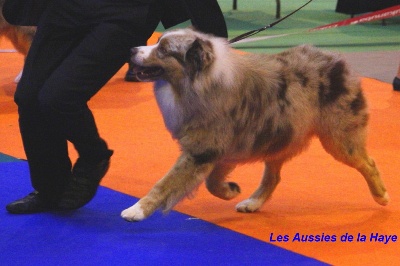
(204, 14)
(23, 12)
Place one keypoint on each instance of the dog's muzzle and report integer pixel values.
(143, 73)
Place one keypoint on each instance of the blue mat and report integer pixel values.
(96, 235)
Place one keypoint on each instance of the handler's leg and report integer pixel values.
(45, 144)
(65, 95)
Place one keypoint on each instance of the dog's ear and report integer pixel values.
(198, 57)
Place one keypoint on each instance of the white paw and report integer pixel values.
(133, 214)
(248, 205)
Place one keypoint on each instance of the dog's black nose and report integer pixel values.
(134, 51)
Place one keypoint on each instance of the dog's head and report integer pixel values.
(178, 55)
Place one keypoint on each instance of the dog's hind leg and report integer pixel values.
(184, 177)
(218, 187)
(350, 149)
(269, 181)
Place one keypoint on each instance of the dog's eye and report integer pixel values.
(162, 50)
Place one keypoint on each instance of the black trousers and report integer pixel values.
(74, 53)
(199, 11)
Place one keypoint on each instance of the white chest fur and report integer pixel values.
(170, 110)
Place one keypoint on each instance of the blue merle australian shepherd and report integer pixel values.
(225, 109)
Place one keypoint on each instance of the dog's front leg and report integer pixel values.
(185, 176)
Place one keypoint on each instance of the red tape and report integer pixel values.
(377, 15)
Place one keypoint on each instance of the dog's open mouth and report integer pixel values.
(147, 73)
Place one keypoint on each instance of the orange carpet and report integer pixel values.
(317, 195)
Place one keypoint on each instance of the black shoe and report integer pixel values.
(83, 186)
(29, 204)
(396, 84)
